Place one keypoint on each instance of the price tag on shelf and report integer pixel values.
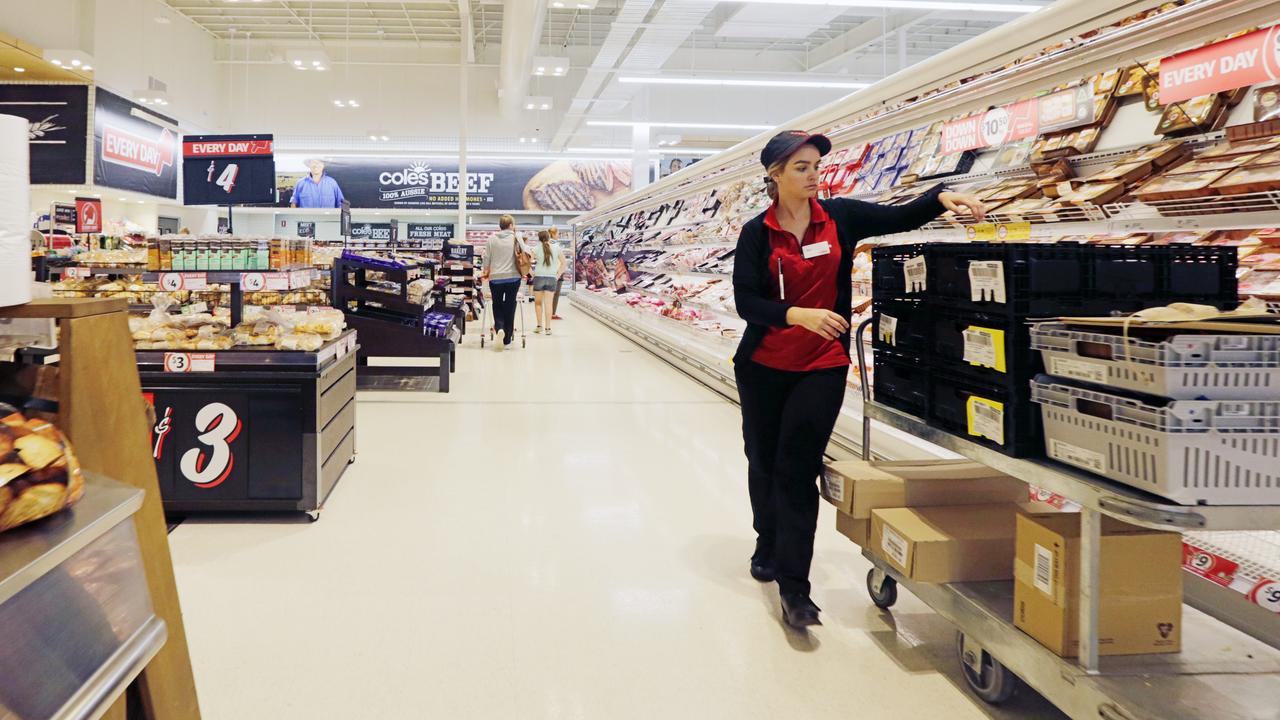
(1207, 565)
(178, 362)
(170, 281)
(252, 282)
(77, 273)
(195, 281)
(194, 308)
(277, 281)
(299, 279)
(1010, 232)
(1266, 594)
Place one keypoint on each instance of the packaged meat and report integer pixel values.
(1179, 187)
(1266, 103)
(1096, 193)
(39, 472)
(1254, 179)
(1151, 94)
(1165, 153)
(1260, 145)
(1127, 172)
(1131, 83)
(1105, 84)
(1217, 164)
(1195, 114)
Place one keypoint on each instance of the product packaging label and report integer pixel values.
(1078, 456)
(888, 329)
(894, 546)
(986, 419)
(984, 347)
(916, 274)
(986, 281)
(1078, 369)
(1043, 579)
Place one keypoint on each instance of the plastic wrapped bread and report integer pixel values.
(39, 472)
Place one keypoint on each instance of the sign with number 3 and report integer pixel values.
(218, 426)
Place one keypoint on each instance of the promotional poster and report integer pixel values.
(58, 128)
(130, 151)
(228, 170)
(88, 215)
(389, 183)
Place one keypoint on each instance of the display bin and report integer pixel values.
(1006, 338)
(1213, 452)
(1039, 279)
(1183, 367)
(1128, 278)
(901, 326)
(888, 273)
(902, 381)
(966, 407)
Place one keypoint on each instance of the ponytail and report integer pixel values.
(544, 237)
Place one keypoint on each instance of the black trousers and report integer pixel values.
(504, 294)
(787, 419)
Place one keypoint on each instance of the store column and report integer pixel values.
(639, 156)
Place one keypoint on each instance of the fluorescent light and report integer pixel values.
(385, 138)
(315, 63)
(297, 62)
(911, 5)
(87, 68)
(57, 62)
(711, 126)
(620, 152)
(320, 68)
(528, 106)
(18, 69)
(75, 63)
(739, 82)
(373, 137)
(353, 103)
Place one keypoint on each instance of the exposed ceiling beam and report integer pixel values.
(468, 29)
(405, 10)
(831, 53)
(299, 19)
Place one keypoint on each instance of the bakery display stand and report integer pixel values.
(1223, 670)
(96, 388)
(391, 325)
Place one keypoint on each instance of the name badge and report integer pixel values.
(816, 250)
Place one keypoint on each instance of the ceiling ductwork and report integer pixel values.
(521, 34)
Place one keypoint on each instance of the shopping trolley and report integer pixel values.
(488, 326)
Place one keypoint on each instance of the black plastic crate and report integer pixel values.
(902, 326)
(1127, 278)
(958, 405)
(888, 273)
(901, 381)
(1039, 279)
(1007, 338)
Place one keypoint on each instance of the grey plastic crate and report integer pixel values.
(1190, 451)
(1184, 367)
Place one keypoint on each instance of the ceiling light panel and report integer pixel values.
(739, 82)
(777, 22)
(550, 66)
(1005, 7)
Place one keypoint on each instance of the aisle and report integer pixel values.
(563, 536)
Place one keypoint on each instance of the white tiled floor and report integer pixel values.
(565, 535)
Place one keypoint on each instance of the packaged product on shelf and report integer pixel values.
(1132, 80)
(946, 544)
(1179, 187)
(1247, 147)
(39, 472)
(1253, 179)
(1139, 588)
(1266, 103)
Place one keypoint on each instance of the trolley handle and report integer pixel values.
(865, 386)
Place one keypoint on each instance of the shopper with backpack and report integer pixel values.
(791, 283)
(507, 260)
(548, 263)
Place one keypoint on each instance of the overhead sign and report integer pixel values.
(88, 215)
(1009, 123)
(64, 214)
(558, 186)
(134, 147)
(306, 229)
(57, 128)
(429, 231)
(371, 231)
(1246, 60)
(228, 169)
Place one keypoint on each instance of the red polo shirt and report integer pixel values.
(808, 283)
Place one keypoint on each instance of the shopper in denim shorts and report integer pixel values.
(548, 263)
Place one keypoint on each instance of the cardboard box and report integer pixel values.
(951, 543)
(1140, 586)
(859, 531)
(857, 487)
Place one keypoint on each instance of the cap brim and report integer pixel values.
(821, 142)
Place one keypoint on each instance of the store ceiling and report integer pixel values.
(16, 54)
(651, 37)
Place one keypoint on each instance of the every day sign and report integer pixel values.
(1227, 65)
(1010, 123)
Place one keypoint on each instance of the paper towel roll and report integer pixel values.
(15, 212)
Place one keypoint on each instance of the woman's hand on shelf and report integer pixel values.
(822, 322)
(963, 204)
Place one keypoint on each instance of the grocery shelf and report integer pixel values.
(1221, 673)
(690, 273)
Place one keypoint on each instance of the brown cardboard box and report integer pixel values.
(857, 487)
(1140, 586)
(859, 531)
(950, 543)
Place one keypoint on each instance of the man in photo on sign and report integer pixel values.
(316, 190)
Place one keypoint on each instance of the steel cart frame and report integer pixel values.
(1222, 672)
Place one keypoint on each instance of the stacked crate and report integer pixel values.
(951, 321)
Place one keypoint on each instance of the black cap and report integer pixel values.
(787, 142)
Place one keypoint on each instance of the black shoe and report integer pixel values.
(799, 611)
(762, 571)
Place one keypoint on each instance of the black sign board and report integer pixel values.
(224, 225)
(344, 220)
(64, 214)
(394, 236)
(228, 169)
(371, 231)
(134, 148)
(459, 251)
(429, 231)
(57, 128)
(306, 229)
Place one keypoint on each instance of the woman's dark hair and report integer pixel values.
(544, 237)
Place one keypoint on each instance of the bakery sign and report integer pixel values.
(1060, 110)
(1233, 63)
(515, 185)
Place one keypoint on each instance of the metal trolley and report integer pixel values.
(1229, 667)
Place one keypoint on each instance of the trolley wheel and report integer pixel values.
(882, 588)
(989, 680)
(522, 342)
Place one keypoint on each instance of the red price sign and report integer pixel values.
(170, 281)
(252, 282)
(1266, 594)
(189, 362)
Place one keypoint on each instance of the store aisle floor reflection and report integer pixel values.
(565, 535)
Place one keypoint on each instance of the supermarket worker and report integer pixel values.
(792, 283)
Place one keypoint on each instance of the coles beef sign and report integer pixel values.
(134, 148)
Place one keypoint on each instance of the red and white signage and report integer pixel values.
(1011, 123)
(227, 148)
(88, 215)
(189, 362)
(1209, 566)
(1227, 65)
(132, 150)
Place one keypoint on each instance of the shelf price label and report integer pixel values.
(252, 282)
(77, 273)
(1266, 594)
(170, 281)
(178, 362)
